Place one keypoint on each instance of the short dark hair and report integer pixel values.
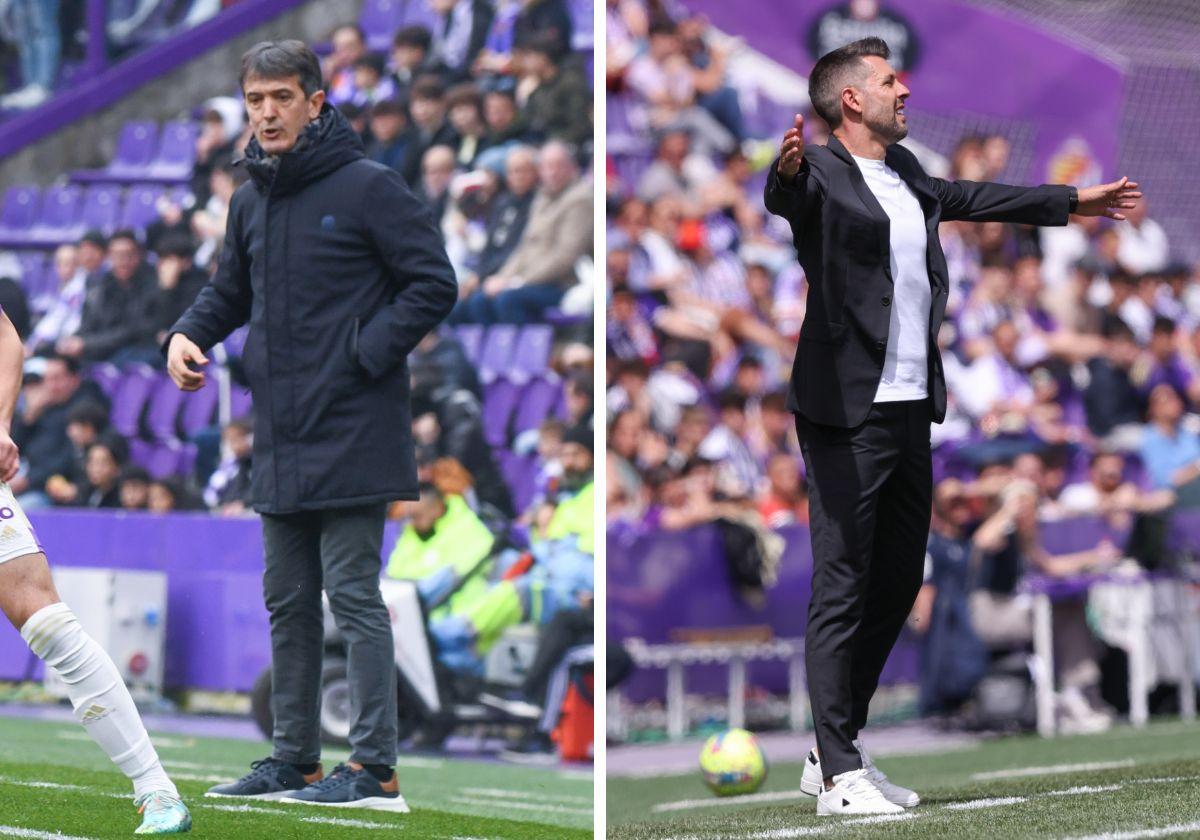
(135, 473)
(126, 233)
(731, 399)
(428, 87)
(94, 237)
(1163, 324)
(388, 108)
(115, 444)
(176, 243)
(835, 71)
(71, 362)
(89, 413)
(282, 60)
(465, 94)
(372, 61)
(413, 36)
(542, 43)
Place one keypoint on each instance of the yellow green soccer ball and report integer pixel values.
(732, 763)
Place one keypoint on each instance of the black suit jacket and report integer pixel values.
(842, 239)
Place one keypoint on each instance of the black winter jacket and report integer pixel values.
(340, 272)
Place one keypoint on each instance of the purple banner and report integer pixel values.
(217, 631)
(958, 60)
(664, 586)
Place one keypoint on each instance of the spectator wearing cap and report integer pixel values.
(389, 133)
(410, 55)
(65, 311)
(118, 323)
(427, 106)
(461, 35)
(179, 280)
(371, 84)
(541, 267)
(560, 104)
(464, 108)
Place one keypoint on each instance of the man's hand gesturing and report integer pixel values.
(180, 353)
(1108, 199)
(792, 150)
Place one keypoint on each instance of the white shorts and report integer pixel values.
(16, 534)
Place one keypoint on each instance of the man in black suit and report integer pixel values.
(868, 380)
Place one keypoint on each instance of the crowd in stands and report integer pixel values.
(1072, 354)
(487, 113)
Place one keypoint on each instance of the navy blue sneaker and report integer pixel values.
(352, 787)
(267, 779)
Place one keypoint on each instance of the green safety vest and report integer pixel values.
(459, 540)
(576, 515)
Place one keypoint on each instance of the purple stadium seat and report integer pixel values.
(538, 402)
(101, 207)
(499, 399)
(497, 351)
(33, 266)
(420, 13)
(582, 24)
(199, 409)
(520, 473)
(20, 210)
(107, 376)
(176, 151)
(471, 338)
(240, 402)
(135, 148)
(532, 353)
(137, 382)
(140, 207)
(165, 402)
(379, 20)
(187, 459)
(163, 460)
(59, 217)
(141, 452)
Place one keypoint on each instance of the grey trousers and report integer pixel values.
(337, 549)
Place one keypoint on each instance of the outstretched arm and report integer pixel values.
(792, 184)
(1048, 204)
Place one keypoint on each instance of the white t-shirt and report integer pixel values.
(906, 366)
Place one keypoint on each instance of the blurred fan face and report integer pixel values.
(387, 127)
(427, 113)
(91, 256)
(425, 514)
(437, 169)
(520, 172)
(348, 47)
(279, 111)
(577, 465)
(134, 494)
(100, 467)
(123, 258)
(1106, 473)
(557, 168)
(499, 111)
(65, 261)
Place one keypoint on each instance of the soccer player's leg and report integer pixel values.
(98, 694)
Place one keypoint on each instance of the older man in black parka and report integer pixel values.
(340, 272)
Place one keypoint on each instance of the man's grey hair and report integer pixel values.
(558, 145)
(282, 60)
(838, 70)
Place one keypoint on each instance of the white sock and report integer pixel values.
(101, 700)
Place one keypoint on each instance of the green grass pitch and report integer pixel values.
(54, 781)
(1121, 785)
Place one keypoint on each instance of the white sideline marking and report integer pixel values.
(17, 831)
(1162, 780)
(520, 806)
(1020, 772)
(255, 809)
(1166, 830)
(1082, 789)
(200, 777)
(750, 799)
(159, 741)
(973, 804)
(500, 793)
(883, 818)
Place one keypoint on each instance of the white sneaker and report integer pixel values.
(812, 781)
(1076, 716)
(893, 793)
(29, 96)
(854, 793)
